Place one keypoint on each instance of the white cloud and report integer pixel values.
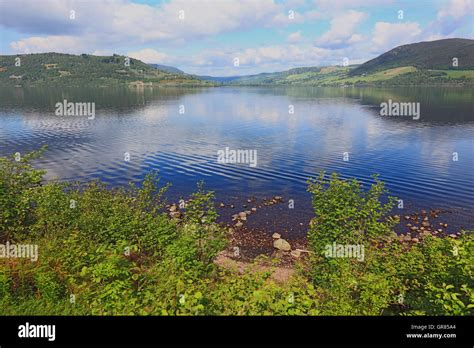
(287, 18)
(312, 15)
(330, 5)
(342, 30)
(282, 53)
(112, 22)
(102, 53)
(389, 35)
(149, 55)
(51, 17)
(294, 37)
(457, 9)
(146, 31)
(259, 59)
(453, 19)
(64, 44)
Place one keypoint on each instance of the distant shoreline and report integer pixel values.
(197, 86)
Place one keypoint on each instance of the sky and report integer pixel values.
(230, 37)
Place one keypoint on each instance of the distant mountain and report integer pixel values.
(437, 55)
(264, 78)
(296, 76)
(217, 79)
(424, 63)
(166, 68)
(261, 78)
(74, 70)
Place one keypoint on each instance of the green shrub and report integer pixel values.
(109, 251)
(346, 214)
(394, 277)
(18, 179)
(434, 276)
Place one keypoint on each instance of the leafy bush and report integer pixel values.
(116, 252)
(435, 276)
(346, 214)
(104, 246)
(255, 293)
(18, 179)
(394, 277)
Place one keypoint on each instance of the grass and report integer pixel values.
(339, 76)
(458, 74)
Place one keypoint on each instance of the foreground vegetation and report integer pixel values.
(114, 251)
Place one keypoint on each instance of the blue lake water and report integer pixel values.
(413, 157)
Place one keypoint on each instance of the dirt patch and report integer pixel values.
(278, 273)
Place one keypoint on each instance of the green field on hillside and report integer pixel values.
(72, 70)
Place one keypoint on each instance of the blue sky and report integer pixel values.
(208, 36)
